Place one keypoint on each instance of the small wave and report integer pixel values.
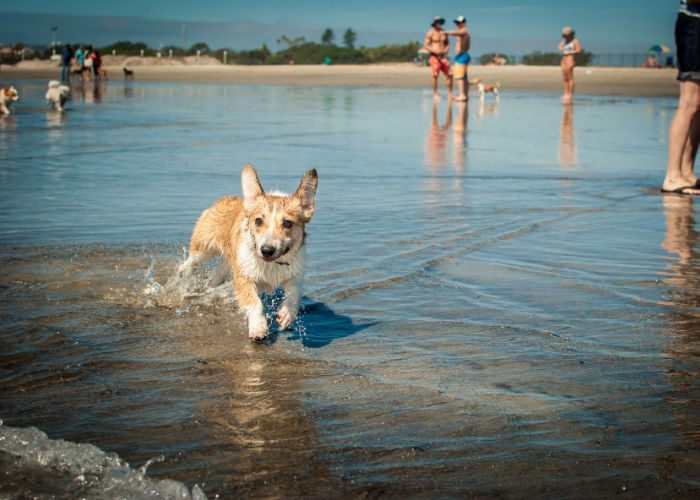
(79, 470)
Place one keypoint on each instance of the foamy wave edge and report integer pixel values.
(91, 472)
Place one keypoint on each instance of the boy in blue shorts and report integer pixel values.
(462, 56)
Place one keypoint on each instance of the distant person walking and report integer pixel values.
(80, 58)
(97, 64)
(437, 43)
(684, 132)
(66, 56)
(569, 47)
(88, 64)
(462, 56)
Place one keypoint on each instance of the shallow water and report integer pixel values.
(497, 302)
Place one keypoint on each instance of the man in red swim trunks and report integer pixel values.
(437, 43)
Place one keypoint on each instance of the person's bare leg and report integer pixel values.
(679, 136)
(571, 83)
(462, 87)
(690, 151)
(450, 94)
(435, 82)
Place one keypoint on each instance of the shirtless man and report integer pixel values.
(462, 56)
(438, 45)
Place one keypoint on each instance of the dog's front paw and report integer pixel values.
(258, 335)
(257, 328)
(285, 317)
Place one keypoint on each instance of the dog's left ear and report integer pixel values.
(306, 192)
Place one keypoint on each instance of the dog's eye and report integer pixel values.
(259, 221)
(287, 223)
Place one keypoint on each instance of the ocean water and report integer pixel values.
(498, 300)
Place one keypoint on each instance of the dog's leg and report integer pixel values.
(290, 307)
(194, 259)
(4, 109)
(249, 302)
(221, 273)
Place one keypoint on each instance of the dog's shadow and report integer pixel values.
(317, 324)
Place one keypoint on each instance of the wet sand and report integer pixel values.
(589, 80)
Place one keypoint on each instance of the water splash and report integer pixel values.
(84, 469)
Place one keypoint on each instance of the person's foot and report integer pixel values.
(436, 97)
(461, 98)
(684, 188)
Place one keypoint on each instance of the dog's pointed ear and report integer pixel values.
(251, 185)
(306, 192)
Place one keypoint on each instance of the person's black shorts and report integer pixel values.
(688, 46)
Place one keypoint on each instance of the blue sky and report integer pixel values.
(508, 26)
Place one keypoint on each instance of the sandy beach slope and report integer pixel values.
(589, 80)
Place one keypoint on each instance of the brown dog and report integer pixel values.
(7, 97)
(261, 241)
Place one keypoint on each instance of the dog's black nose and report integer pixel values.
(267, 251)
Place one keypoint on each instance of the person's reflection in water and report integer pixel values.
(459, 137)
(98, 91)
(682, 302)
(681, 241)
(568, 151)
(436, 146)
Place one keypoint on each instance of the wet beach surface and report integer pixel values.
(498, 300)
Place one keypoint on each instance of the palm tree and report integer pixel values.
(327, 36)
(349, 38)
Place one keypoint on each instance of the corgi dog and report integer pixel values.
(260, 240)
(7, 97)
(57, 94)
(489, 88)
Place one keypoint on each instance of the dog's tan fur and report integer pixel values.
(260, 239)
(8, 96)
(484, 88)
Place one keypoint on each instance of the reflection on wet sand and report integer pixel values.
(436, 145)
(490, 109)
(459, 137)
(683, 268)
(568, 150)
(88, 92)
(436, 150)
(682, 301)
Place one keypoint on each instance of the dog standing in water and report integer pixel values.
(261, 241)
(57, 94)
(483, 89)
(7, 98)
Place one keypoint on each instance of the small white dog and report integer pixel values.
(7, 97)
(57, 94)
(489, 88)
(260, 239)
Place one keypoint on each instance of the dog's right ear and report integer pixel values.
(251, 185)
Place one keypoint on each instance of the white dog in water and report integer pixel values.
(57, 94)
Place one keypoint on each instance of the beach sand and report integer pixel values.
(589, 80)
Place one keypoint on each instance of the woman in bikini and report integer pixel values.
(569, 46)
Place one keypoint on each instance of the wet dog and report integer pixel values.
(57, 94)
(128, 73)
(260, 239)
(483, 89)
(7, 98)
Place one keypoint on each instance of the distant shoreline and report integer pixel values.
(547, 79)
